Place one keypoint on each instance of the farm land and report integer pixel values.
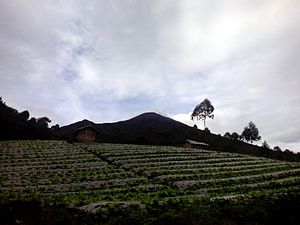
(156, 181)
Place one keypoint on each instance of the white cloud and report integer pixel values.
(109, 60)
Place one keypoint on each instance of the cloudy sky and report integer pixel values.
(110, 60)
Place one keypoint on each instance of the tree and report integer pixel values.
(251, 133)
(277, 148)
(203, 110)
(235, 136)
(265, 145)
(54, 127)
(43, 121)
(24, 115)
(206, 130)
(17, 125)
(227, 135)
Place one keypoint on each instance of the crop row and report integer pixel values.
(55, 171)
(78, 186)
(32, 145)
(220, 174)
(119, 149)
(59, 166)
(206, 168)
(67, 170)
(26, 159)
(241, 188)
(125, 154)
(186, 162)
(65, 179)
(247, 179)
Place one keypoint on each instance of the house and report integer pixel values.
(195, 144)
(85, 134)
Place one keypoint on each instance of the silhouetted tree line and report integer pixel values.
(251, 134)
(238, 146)
(19, 125)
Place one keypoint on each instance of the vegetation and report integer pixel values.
(159, 130)
(277, 148)
(203, 110)
(139, 184)
(265, 145)
(234, 136)
(251, 133)
(15, 125)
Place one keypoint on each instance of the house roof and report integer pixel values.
(86, 127)
(196, 142)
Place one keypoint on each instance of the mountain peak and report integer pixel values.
(149, 114)
(86, 121)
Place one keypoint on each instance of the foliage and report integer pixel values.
(234, 136)
(15, 125)
(137, 184)
(206, 130)
(251, 133)
(277, 148)
(265, 145)
(227, 135)
(264, 209)
(203, 110)
(81, 175)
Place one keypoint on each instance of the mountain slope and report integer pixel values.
(66, 131)
(154, 129)
(147, 128)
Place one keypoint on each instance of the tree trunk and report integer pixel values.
(204, 124)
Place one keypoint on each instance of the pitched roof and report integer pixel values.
(86, 127)
(196, 142)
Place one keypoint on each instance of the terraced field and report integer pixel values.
(97, 174)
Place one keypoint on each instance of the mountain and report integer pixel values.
(147, 128)
(151, 119)
(153, 129)
(67, 131)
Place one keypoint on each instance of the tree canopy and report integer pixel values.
(202, 111)
(277, 148)
(265, 145)
(15, 125)
(251, 133)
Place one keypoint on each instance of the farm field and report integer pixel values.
(91, 177)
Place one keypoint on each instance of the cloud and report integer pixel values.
(110, 60)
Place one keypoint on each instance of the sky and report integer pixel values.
(109, 60)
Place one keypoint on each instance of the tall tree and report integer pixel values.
(251, 133)
(203, 110)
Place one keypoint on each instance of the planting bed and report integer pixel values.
(90, 176)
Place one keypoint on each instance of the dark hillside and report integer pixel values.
(153, 129)
(224, 144)
(66, 131)
(15, 125)
(147, 128)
